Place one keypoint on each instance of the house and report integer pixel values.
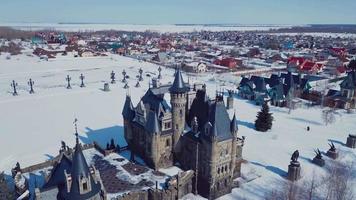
(227, 62)
(277, 89)
(310, 67)
(344, 98)
(294, 62)
(197, 67)
(338, 52)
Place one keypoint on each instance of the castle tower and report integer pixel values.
(153, 128)
(82, 182)
(178, 93)
(234, 130)
(128, 113)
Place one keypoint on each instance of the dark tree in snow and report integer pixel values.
(107, 146)
(112, 144)
(264, 119)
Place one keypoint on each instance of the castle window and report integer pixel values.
(180, 113)
(176, 126)
(225, 182)
(225, 168)
(218, 170)
(167, 143)
(167, 125)
(345, 93)
(85, 186)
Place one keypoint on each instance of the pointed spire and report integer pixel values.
(76, 130)
(233, 125)
(178, 85)
(128, 111)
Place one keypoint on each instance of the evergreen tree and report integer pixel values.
(112, 144)
(264, 119)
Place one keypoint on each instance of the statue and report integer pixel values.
(318, 159)
(295, 156)
(332, 147)
(332, 152)
(318, 154)
(294, 167)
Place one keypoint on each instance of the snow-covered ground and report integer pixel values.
(32, 126)
(140, 27)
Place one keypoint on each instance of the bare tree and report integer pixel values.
(339, 184)
(328, 115)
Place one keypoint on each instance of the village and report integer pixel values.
(185, 115)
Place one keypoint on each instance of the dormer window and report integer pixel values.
(85, 186)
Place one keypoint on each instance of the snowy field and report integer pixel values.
(32, 126)
(140, 27)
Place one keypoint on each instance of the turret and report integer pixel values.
(234, 130)
(233, 126)
(178, 92)
(153, 129)
(81, 182)
(128, 113)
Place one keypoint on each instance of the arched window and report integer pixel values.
(218, 170)
(225, 168)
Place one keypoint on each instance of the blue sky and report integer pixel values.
(181, 11)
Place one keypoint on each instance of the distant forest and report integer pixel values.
(318, 28)
(11, 33)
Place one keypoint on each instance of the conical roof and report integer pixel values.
(233, 126)
(178, 85)
(128, 111)
(80, 170)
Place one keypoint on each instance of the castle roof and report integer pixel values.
(152, 125)
(213, 112)
(156, 101)
(233, 125)
(57, 177)
(79, 170)
(350, 81)
(178, 85)
(128, 111)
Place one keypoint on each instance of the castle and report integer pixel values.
(194, 132)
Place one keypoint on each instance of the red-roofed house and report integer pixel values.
(295, 60)
(311, 67)
(227, 62)
(341, 52)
